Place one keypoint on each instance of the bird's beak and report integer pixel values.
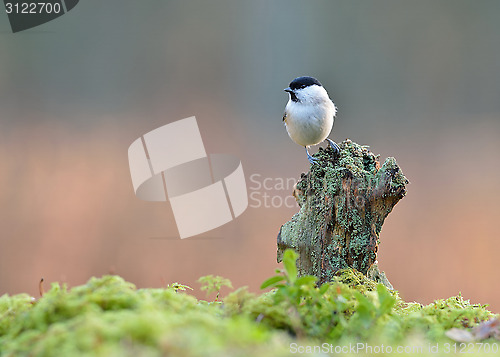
(288, 90)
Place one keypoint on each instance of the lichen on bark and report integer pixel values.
(344, 200)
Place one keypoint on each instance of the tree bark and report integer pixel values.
(343, 201)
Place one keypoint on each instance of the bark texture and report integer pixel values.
(343, 201)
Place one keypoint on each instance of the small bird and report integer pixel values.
(309, 114)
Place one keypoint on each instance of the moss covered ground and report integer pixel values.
(351, 316)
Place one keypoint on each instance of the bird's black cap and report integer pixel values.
(302, 82)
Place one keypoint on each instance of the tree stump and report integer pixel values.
(343, 201)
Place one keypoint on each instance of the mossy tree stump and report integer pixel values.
(343, 201)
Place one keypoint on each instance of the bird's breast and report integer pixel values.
(308, 124)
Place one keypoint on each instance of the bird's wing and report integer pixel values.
(284, 117)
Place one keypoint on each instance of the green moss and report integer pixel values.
(110, 317)
(344, 200)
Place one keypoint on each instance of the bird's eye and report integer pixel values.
(302, 86)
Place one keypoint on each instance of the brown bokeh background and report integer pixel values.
(420, 82)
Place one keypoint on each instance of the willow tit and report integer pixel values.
(309, 114)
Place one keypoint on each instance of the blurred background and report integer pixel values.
(417, 81)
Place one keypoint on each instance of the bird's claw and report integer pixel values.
(334, 146)
(311, 159)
